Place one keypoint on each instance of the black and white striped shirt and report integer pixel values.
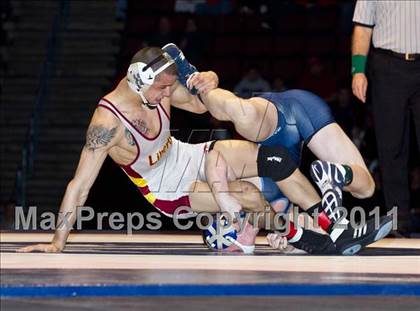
(396, 24)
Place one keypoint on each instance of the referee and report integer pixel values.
(394, 82)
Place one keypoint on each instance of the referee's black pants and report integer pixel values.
(395, 87)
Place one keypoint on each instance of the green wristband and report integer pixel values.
(358, 64)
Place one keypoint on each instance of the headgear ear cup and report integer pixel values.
(221, 235)
(147, 75)
(138, 78)
(216, 235)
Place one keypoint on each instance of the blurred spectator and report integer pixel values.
(278, 85)
(215, 7)
(121, 7)
(250, 7)
(309, 4)
(187, 6)
(251, 83)
(316, 79)
(192, 42)
(267, 10)
(163, 35)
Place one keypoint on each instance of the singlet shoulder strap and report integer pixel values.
(104, 103)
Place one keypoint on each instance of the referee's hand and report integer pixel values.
(359, 86)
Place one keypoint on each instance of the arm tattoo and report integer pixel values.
(98, 136)
(129, 137)
(141, 126)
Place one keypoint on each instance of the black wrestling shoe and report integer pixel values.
(352, 240)
(315, 243)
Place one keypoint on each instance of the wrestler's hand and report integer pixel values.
(277, 241)
(46, 248)
(203, 81)
(359, 86)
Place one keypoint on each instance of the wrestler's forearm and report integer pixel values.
(67, 214)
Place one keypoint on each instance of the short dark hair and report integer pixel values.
(148, 54)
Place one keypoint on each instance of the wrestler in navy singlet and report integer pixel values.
(300, 115)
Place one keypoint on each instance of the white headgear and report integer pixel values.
(141, 75)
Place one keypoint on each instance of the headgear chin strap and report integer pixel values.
(141, 75)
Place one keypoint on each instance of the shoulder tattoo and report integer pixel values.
(98, 136)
